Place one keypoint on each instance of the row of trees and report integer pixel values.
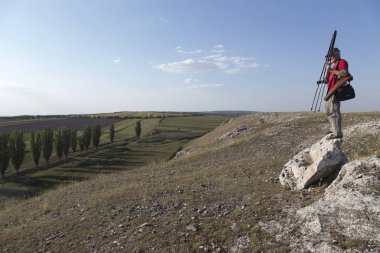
(62, 141)
(44, 142)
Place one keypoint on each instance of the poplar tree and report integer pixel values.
(87, 137)
(81, 142)
(47, 143)
(138, 129)
(58, 143)
(74, 140)
(112, 133)
(17, 149)
(66, 140)
(36, 147)
(4, 153)
(96, 132)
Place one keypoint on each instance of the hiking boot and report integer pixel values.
(328, 132)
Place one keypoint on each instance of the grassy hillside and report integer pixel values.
(160, 140)
(210, 200)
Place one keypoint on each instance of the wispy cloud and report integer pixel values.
(162, 19)
(204, 86)
(194, 84)
(188, 66)
(215, 60)
(181, 51)
(189, 81)
(218, 49)
(116, 60)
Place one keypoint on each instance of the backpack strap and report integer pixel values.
(336, 67)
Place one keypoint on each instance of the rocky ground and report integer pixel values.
(222, 194)
(346, 217)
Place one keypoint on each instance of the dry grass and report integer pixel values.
(207, 200)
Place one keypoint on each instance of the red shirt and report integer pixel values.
(342, 65)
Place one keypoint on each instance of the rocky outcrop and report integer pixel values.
(348, 215)
(180, 154)
(234, 133)
(323, 159)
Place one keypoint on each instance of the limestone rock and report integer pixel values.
(242, 243)
(234, 133)
(180, 154)
(323, 159)
(348, 212)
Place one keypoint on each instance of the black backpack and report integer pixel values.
(345, 92)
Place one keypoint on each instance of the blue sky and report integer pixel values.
(82, 56)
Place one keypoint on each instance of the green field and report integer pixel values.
(160, 140)
(123, 130)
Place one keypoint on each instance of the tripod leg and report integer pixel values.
(319, 97)
(315, 94)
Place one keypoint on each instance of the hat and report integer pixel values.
(335, 50)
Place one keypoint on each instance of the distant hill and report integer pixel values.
(231, 113)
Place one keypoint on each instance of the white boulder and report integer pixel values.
(323, 159)
(348, 212)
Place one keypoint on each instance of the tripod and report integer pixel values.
(322, 79)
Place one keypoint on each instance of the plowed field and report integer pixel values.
(37, 124)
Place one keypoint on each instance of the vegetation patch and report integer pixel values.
(349, 243)
(361, 145)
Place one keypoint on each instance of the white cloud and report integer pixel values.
(216, 57)
(190, 81)
(216, 61)
(204, 86)
(181, 51)
(188, 66)
(194, 84)
(218, 49)
(116, 60)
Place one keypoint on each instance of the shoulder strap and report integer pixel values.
(337, 65)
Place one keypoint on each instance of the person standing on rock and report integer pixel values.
(333, 74)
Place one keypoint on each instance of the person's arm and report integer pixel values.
(338, 85)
